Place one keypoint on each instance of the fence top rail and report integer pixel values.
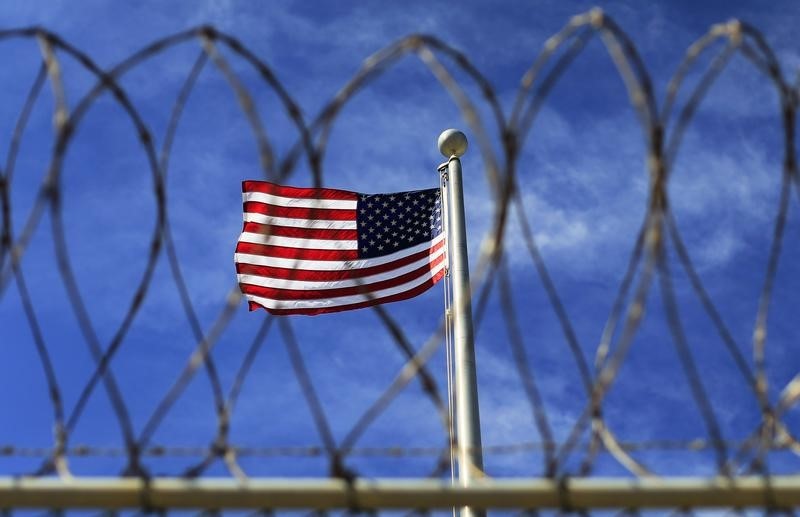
(778, 492)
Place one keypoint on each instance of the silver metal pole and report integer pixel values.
(452, 144)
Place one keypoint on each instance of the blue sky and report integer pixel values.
(582, 175)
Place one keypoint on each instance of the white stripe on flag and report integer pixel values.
(261, 197)
(294, 242)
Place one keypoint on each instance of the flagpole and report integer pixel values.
(453, 144)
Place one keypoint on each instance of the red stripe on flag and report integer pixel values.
(295, 253)
(394, 298)
(305, 193)
(316, 294)
(301, 233)
(330, 214)
(313, 275)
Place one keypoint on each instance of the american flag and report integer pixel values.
(318, 250)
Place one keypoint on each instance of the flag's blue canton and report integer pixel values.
(391, 222)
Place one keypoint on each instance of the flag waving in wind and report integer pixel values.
(318, 250)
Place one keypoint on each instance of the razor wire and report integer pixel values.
(663, 130)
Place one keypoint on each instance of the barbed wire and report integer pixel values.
(648, 265)
(391, 451)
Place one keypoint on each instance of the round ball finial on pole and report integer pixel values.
(452, 142)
